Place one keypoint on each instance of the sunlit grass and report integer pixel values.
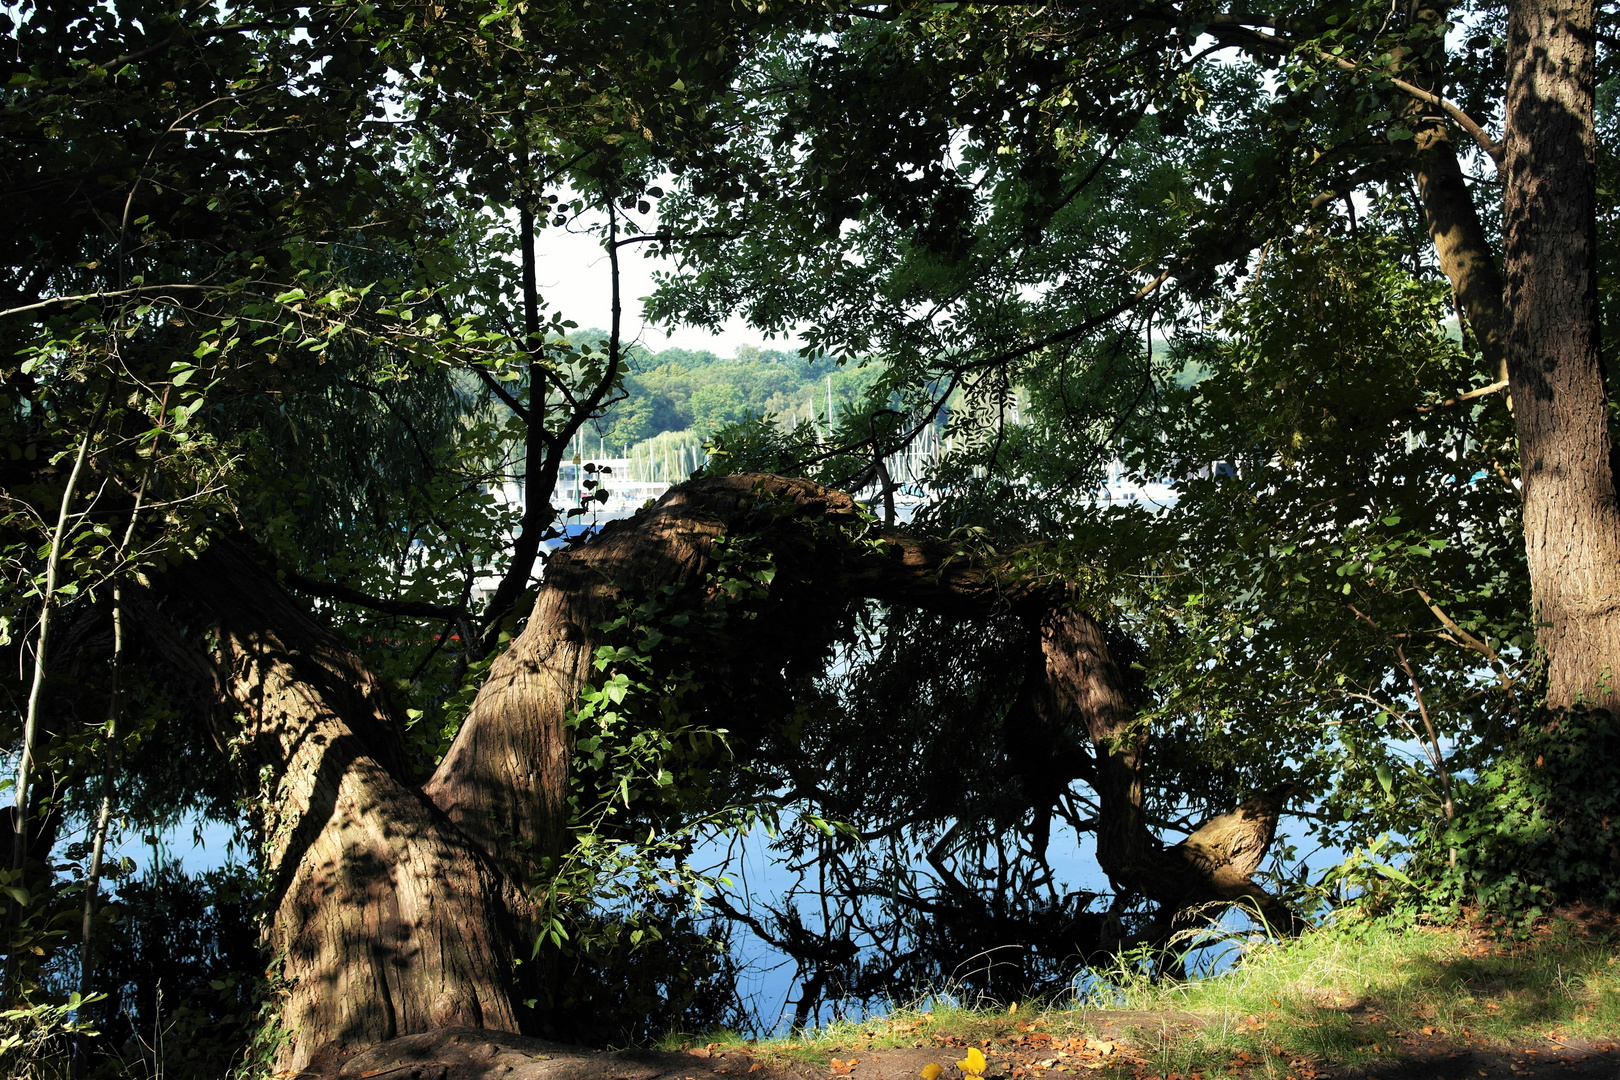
(1347, 997)
(1331, 998)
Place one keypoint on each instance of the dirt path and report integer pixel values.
(1122, 1046)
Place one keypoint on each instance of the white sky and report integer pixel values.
(572, 273)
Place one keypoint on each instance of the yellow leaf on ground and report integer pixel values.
(974, 1064)
(931, 1071)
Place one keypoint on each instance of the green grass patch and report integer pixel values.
(1349, 997)
(1335, 997)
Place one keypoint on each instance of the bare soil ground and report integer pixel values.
(1122, 1046)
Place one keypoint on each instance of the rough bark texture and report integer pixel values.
(505, 778)
(1571, 523)
(386, 920)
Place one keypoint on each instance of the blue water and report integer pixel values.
(766, 977)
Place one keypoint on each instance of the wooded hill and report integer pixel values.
(684, 390)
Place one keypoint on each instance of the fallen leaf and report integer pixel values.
(844, 1068)
(756, 1066)
(1426, 1029)
(974, 1063)
(699, 1051)
(931, 1071)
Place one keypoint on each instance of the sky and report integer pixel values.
(572, 273)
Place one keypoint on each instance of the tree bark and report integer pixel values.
(504, 781)
(386, 920)
(1571, 523)
(1459, 240)
(1210, 867)
(516, 729)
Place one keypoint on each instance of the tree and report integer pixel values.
(714, 407)
(317, 381)
(273, 306)
(1555, 363)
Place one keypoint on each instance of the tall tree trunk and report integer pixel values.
(1571, 523)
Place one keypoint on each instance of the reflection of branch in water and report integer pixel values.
(990, 963)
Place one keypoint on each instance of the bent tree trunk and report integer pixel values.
(397, 910)
(386, 919)
(1211, 867)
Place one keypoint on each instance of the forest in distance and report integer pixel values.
(675, 400)
(1341, 274)
(684, 390)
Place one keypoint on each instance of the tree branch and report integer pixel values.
(332, 591)
(1476, 131)
(1479, 392)
(1071, 332)
(502, 392)
(106, 294)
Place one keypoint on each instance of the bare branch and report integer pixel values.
(501, 392)
(107, 294)
(1483, 391)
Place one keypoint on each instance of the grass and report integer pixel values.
(1350, 998)
(1347, 997)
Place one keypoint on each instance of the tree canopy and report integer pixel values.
(1338, 276)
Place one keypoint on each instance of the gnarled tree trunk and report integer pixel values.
(397, 910)
(386, 918)
(1210, 867)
